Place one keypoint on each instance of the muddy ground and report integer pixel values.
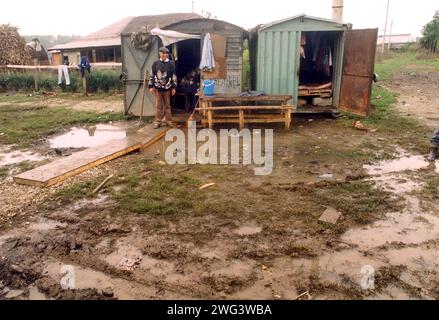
(151, 233)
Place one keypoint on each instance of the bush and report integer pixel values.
(104, 81)
(98, 81)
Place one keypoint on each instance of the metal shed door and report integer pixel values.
(136, 62)
(358, 68)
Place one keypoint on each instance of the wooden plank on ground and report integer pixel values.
(62, 169)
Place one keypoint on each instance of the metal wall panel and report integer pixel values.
(278, 62)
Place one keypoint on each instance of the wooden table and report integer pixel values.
(275, 109)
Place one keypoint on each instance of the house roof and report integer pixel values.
(300, 16)
(110, 36)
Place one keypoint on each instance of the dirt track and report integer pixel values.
(257, 237)
(418, 93)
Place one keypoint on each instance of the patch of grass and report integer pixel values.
(360, 201)
(77, 191)
(431, 188)
(393, 63)
(405, 131)
(4, 171)
(23, 126)
(156, 193)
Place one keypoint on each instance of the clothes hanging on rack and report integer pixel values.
(303, 46)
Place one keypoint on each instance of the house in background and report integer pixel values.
(101, 46)
(397, 41)
(105, 45)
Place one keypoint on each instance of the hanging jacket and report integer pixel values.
(84, 65)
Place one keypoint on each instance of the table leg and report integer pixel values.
(241, 120)
(210, 118)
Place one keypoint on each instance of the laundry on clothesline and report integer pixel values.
(63, 71)
(84, 66)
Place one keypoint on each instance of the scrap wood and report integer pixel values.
(330, 216)
(99, 187)
(305, 294)
(128, 264)
(207, 186)
(360, 126)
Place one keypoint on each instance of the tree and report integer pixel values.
(431, 34)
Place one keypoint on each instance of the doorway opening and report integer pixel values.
(317, 77)
(187, 57)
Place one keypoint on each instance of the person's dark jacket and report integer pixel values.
(163, 76)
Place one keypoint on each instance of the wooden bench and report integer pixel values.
(244, 114)
(274, 109)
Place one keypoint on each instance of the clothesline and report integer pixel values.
(103, 65)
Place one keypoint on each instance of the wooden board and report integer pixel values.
(62, 169)
(228, 97)
(220, 71)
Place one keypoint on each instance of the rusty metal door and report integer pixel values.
(135, 64)
(358, 69)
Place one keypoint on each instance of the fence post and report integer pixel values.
(36, 75)
(84, 83)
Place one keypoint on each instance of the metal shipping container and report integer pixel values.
(277, 55)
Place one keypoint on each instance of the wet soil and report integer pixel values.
(417, 91)
(264, 241)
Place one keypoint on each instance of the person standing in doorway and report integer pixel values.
(163, 84)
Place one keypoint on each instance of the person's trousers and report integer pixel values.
(63, 70)
(435, 139)
(163, 105)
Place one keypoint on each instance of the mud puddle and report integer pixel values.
(8, 156)
(89, 137)
(407, 163)
(84, 278)
(410, 227)
(248, 229)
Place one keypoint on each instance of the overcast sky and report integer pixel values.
(83, 17)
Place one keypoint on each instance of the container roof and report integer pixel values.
(139, 23)
(300, 16)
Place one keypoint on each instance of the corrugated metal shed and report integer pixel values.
(136, 62)
(276, 53)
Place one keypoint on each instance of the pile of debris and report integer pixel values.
(13, 48)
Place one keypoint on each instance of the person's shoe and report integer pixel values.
(156, 125)
(433, 154)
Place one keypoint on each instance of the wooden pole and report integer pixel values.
(143, 95)
(385, 28)
(390, 36)
(36, 75)
(84, 83)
